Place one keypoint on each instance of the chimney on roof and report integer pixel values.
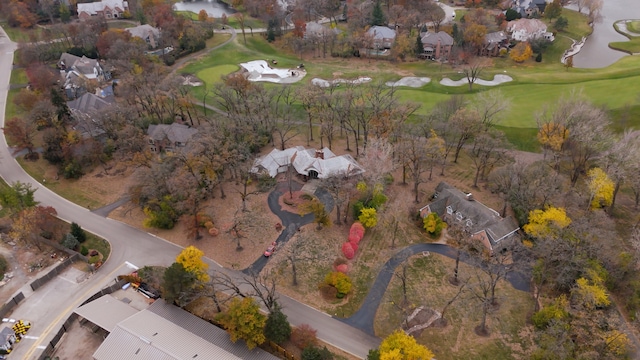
(319, 154)
(470, 197)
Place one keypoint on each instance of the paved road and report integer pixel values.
(130, 244)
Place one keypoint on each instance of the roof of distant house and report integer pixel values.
(324, 162)
(166, 332)
(473, 214)
(381, 32)
(530, 26)
(89, 102)
(106, 311)
(433, 39)
(143, 31)
(95, 7)
(83, 65)
(176, 133)
(495, 37)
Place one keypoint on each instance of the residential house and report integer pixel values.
(169, 137)
(85, 108)
(77, 71)
(437, 46)
(479, 221)
(147, 33)
(529, 8)
(493, 42)
(109, 9)
(382, 37)
(528, 29)
(309, 163)
(315, 30)
(160, 332)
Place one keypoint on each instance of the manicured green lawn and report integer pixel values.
(535, 86)
(634, 26)
(19, 34)
(188, 14)
(120, 24)
(214, 74)
(631, 46)
(19, 77)
(98, 243)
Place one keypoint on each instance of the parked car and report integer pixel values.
(148, 291)
(270, 250)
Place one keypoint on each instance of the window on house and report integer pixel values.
(459, 216)
(469, 223)
(449, 210)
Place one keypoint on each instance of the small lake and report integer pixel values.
(213, 7)
(596, 52)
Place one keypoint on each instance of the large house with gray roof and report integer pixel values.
(160, 332)
(437, 46)
(480, 222)
(108, 9)
(168, 138)
(382, 37)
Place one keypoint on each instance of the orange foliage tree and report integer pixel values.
(521, 52)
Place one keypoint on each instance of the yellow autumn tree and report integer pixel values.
(590, 291)
(601, 188)
(191, 259)
(521, 52)
(400, 346)
(617, 342)
(553, 136)
(368, 217)
(546, 222)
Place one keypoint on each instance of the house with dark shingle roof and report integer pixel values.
(169, 137)
(382, 36)
(437, 46)
(493, 42)
(85, 109)
(479, 221)
(146, 32)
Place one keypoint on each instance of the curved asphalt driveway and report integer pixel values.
(363, 318)
(135, 246)
(291, 222)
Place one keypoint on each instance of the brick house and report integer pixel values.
(109, 9)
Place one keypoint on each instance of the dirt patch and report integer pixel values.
(79, 342)
(257, 227)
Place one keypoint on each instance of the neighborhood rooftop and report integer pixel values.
(166, 332)
(308, 162)
(450, 203)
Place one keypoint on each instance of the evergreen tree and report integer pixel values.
(78, 232)
(419, 46)
(277, 328)
(377, 15)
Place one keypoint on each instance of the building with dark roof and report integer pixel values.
(382, 36)
(479, 221)
(493, 42)
(437, 46)
(169, 137)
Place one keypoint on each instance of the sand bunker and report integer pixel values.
(410, 81)
(327, 83)
(259, 70)
(497, 80)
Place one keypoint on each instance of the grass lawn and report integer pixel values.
(42, 170)
(120, 24)
(634, 26)
(429, 286)
(217, 39)
(98, 243)
(188, 14)
(18, 77)
(19, 34)
(632, 46)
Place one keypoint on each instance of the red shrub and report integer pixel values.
(343, 268)
(354, 246)
(347, 250)
(303, 336)
(354, 239)
(357, 229)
